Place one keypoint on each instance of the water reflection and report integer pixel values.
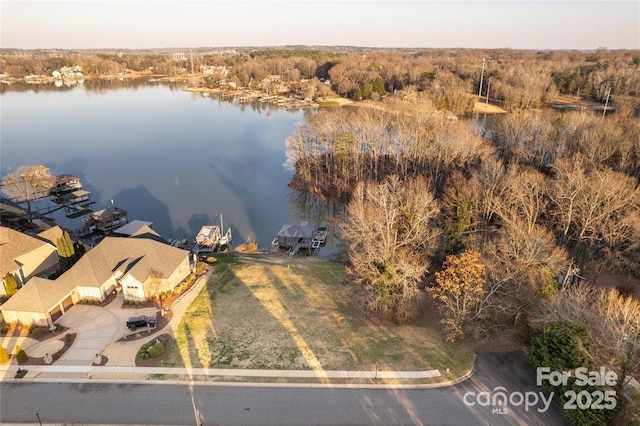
(323, 212)
(94, 85)
(162, 154)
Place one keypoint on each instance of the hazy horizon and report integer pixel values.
(148, 24)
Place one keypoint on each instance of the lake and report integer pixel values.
(171, 157)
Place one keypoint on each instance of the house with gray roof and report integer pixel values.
(138, 267)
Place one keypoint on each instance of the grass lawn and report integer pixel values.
(279, 312)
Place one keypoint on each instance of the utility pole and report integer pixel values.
(488, 88)
(481, 78)
(606, 103)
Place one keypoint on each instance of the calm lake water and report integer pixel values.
(171, 157)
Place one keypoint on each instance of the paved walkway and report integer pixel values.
(107, 371)
(235, 378)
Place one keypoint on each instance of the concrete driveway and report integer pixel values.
(99, 330)
(96, 327)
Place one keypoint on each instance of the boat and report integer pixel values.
(225, 238)
(321, 234)
(208, 236)
(211, 239)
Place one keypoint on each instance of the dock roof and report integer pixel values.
(133, 227)
(303, 230)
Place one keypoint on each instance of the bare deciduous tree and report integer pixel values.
(597, 212)
(154, 285)
(390, 235)
(27, 184)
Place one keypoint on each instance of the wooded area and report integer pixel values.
(515, 78)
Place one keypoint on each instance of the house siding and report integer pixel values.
(168, 284)
(179, 274)
(132, 289)
(89, 293)
(28, 318)
(37, 261)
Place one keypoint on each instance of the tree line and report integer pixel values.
(490, 223)
(515, 79)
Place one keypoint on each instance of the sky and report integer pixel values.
(532, 24)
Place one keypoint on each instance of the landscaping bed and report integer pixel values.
(68, 340)
(167, 340)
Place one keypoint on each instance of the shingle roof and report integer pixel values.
(51, 234)
(146, 232)
(37, 295)
(304, 230)
(135, 256)
(14, 244)
(133, 227)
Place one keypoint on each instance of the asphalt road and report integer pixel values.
(177, 404)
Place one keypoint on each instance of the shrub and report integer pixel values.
(4, 355)
(144, 348)
(156, 350)
(21, 356)
(4, 330)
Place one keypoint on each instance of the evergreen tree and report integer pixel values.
(10, 284)
(66, 251)
(378, 86)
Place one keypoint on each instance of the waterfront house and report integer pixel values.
(24, 256)
(139, 267)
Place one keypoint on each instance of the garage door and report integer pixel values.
(67, 303)
(56, 313)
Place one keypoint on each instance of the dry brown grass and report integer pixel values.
(278, 312)
(484, 108)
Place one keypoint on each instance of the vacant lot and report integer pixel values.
(278, 312)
